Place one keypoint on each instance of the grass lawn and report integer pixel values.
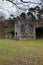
(14, 52)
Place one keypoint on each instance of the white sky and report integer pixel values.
(7, 8)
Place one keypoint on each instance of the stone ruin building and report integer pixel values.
(26, 26)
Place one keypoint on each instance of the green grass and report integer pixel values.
(14, 52)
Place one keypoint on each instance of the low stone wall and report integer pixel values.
(25, 37)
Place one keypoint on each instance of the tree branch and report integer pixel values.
(16, 4)
(30, 2)
(22, 2)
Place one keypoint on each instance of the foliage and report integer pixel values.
(12, 32)
(23, 15)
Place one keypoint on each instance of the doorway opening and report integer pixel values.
(39, 32)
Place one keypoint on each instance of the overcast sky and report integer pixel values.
(7, 8)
